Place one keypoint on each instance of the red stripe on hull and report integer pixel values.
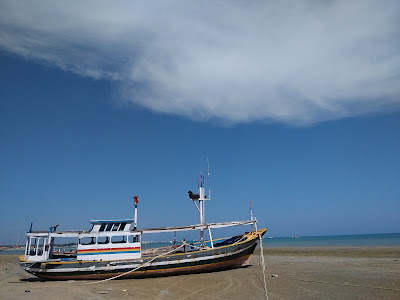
(108, 249)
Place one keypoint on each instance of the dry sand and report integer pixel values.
(302, 273)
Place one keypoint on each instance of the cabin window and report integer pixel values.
(40, 246)
(27, 248)
(65, 245)
(32, 246)
(109, 226)
(103, 240)
(102, 227)
(36, 246)
(122, 226)
(133, 239)
(89, 240)
(118, 239)
(115, 228)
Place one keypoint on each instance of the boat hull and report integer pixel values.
(209, 260)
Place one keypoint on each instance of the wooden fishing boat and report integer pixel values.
(113, 249)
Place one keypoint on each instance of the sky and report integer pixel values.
(295, 105)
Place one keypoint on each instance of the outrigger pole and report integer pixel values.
(252, 219)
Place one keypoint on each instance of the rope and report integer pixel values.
(11, 275)
(16, 272)
(141, 266)
(263, 266)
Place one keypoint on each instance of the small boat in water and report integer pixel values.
(113, 249)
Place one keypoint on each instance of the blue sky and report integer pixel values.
(90, 118)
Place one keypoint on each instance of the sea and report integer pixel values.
(359, 240)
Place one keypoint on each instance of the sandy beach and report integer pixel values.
(291, 273)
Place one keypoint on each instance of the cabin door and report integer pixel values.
(37, 248)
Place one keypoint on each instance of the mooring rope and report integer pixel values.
(11, 275)
(141, 266)
(263, 266)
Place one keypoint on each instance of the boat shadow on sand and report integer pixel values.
(33, 279)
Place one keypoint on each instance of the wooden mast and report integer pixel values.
(202, 198)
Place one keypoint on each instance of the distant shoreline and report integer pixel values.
(347, 251)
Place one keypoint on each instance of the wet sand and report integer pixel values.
(291, 273)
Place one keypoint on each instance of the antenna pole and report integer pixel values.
(201, 206)
(201, 197)
(251, 217)
(135, 202)
(209, 179)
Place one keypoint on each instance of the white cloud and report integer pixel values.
(291, 62)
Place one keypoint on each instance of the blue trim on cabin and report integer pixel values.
(111, 221)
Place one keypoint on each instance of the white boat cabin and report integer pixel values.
(107, 240)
